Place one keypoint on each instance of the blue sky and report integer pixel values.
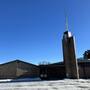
(32, 30)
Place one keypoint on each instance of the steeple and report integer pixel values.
(67, 33)
(66, 23)
(69, 55)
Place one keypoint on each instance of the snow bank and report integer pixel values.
(66, 84)
(19, 80)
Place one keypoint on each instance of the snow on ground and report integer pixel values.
(66, 84)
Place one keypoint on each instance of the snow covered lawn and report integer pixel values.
(67, 84)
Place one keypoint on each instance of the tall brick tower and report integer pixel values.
(69, 55)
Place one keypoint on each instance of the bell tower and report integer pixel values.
(69, 56)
